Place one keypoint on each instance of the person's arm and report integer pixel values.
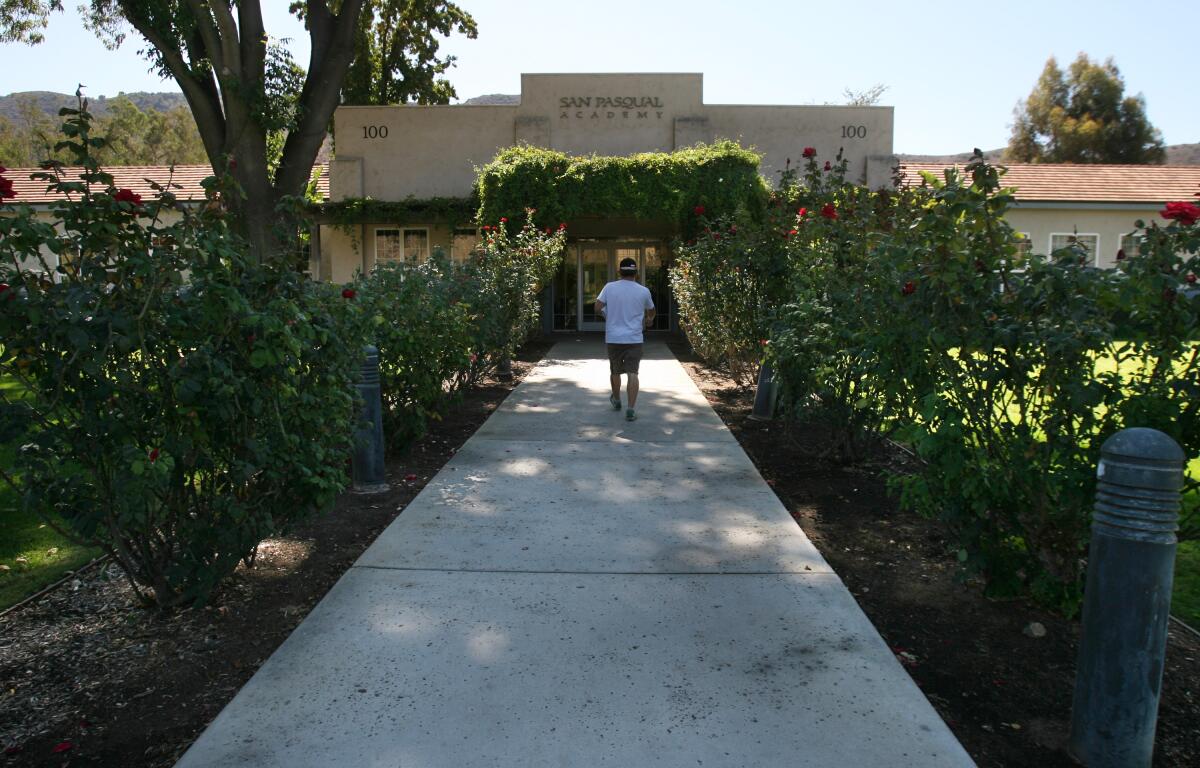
(600, 302)
(650, 311)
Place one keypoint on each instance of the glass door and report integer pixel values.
(595, 271)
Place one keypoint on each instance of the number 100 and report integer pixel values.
(854, 131)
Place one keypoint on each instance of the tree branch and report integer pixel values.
(332, 52)
(201, 93)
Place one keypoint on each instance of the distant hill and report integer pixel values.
(493, 99)
(1177, 154)
(51, 102)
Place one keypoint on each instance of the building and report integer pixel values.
(1094, 205)
(410, 152)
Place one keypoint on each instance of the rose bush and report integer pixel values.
(181, 402)
(907, 314)
(439, 326)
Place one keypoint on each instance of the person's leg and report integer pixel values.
(614, 376)
(633, 361)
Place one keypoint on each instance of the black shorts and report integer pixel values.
(624, 358)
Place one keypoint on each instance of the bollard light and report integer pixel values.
(367, 467)
(764, 395)
(504, 369)
(1127, 601)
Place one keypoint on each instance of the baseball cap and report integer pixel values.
(628, 267)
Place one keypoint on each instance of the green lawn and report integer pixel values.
(1185, 597)
(32, 554)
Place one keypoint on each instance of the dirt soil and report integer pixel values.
(1006, 695)
(88, 678)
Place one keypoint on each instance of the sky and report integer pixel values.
(954, 71)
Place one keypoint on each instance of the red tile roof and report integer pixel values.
(1085, 184)
(185, 181)
(1054, 182)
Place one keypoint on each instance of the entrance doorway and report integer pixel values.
(589, 265)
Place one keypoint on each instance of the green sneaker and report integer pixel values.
(630, 415)
(616, 402)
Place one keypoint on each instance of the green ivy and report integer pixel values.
(348, 213)
(678, 187)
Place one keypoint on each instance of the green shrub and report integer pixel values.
(907, 313)
(425, 338)
(182, 402)
(439, 326)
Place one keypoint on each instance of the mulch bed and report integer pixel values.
(88, 678)
(1006, 695)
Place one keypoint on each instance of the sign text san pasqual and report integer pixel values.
(610, 107)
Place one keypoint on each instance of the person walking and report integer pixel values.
(627, 308)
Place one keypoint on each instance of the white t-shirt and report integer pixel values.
(625, 305)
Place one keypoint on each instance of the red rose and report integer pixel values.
(698, 210)
(733, 229)
(153, 455)
(128, 196)
(233, 164)
(1120, 254)
(763, 342)
(410, 478)
(827, 165)
(791, 232)
(1168, 295)
(1185, 213)
(909, 288)
(829, 211)
(1190, 277)
(503, 219)
(4, 288)
(349, 293)
(6, 186)
(562, 226)
(801, 212)
(809, 152)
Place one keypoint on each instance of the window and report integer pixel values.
(1130, 244)
(410, 246)
(462, 242)
(1024, 249)
(1090, 242)
(387, 245)
(416, 246)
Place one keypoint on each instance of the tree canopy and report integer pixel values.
(135, 136)
(1083, 116)
(395, 52)
(262, 117)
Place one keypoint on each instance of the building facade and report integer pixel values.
(410, 152)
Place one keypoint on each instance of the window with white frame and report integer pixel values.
(1130, 244)
(387, 245)
(1090, 242)
(1024, 246)
(416, 246)
(462, 242)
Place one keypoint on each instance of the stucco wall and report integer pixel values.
(1108, 222)
(391, 153)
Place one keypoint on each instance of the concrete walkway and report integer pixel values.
(576, 590)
